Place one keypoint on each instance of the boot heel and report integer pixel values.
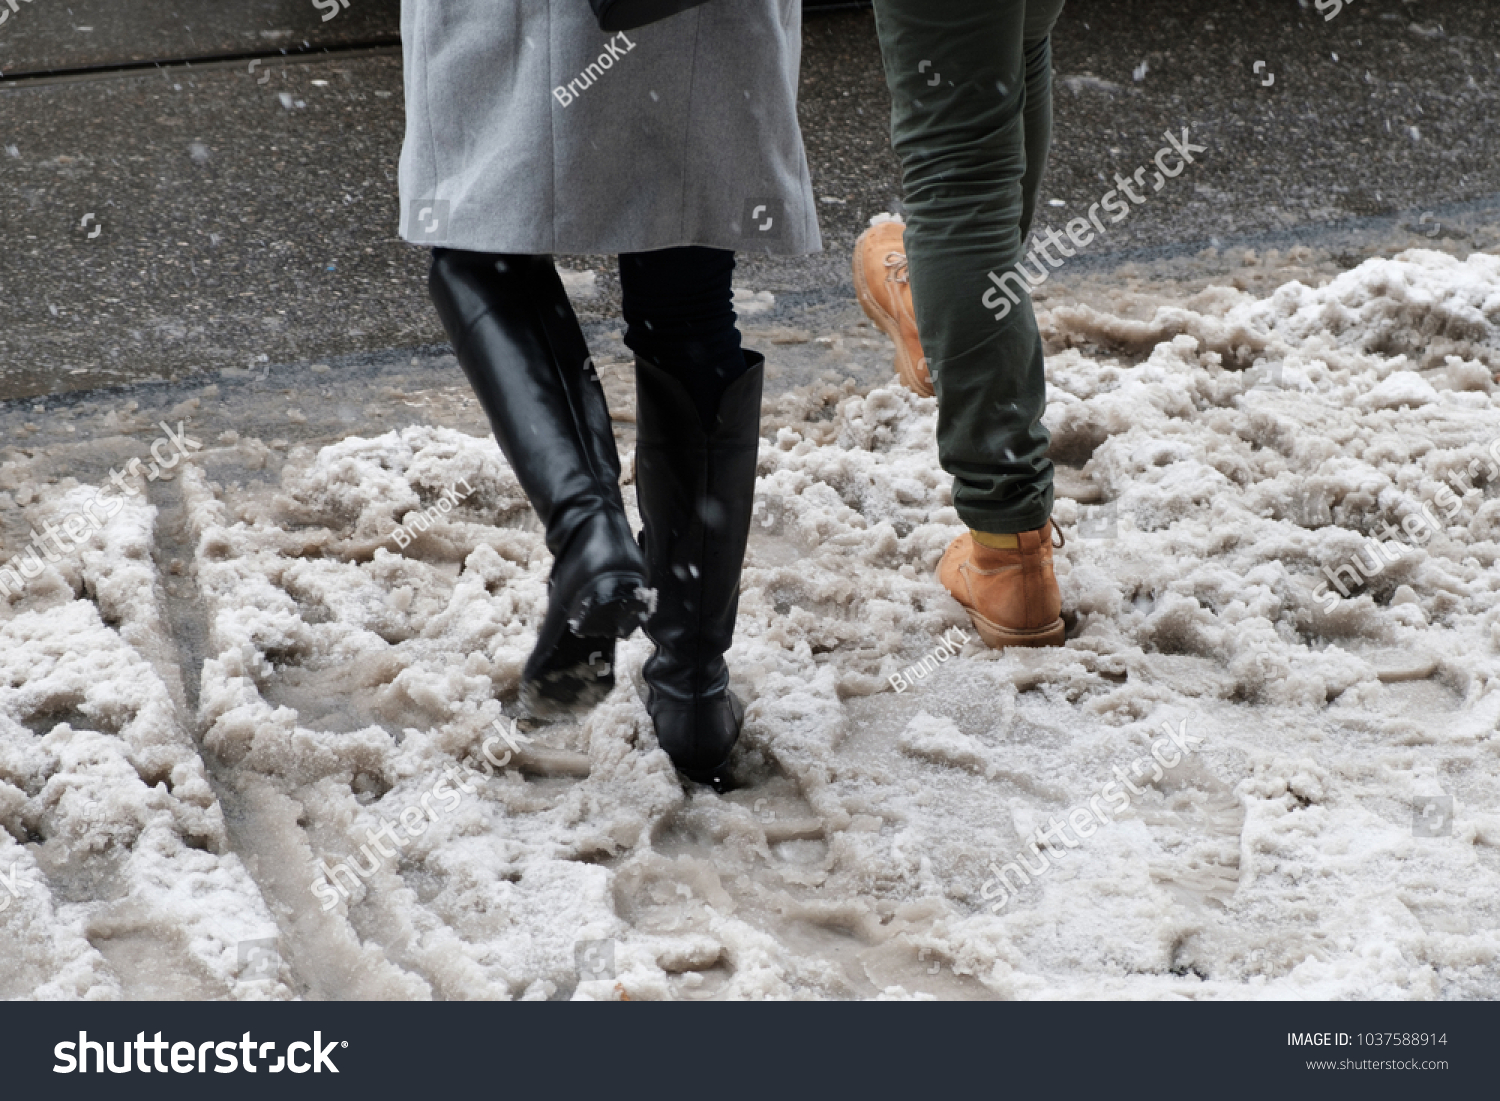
(612, 606)
(696, 487)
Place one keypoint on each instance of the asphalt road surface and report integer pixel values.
(170, 221)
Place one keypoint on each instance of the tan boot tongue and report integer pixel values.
(996, 542)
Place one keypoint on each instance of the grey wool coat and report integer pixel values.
(530, 130)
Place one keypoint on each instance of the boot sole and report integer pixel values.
(906, 370)
(997, 637)
(562, 677)
(612, 607)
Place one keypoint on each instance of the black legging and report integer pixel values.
(679, 314)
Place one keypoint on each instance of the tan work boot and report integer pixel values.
(1009, 592)
(883, 286)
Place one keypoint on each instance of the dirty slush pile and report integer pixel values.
(1327, 825)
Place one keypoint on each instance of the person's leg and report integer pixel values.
(679, 314)
(1040, 18)
(697, 437)
(519, 343)
(961, 104)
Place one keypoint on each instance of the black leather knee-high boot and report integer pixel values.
(696, 490)
(519, 343)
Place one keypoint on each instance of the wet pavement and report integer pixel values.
(173, 222)
(53, 36)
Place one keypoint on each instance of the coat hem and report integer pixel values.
(579, 248)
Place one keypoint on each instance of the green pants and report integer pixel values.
(971, 120)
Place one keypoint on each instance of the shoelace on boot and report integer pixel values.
(897, 269)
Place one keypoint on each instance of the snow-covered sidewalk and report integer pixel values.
(330, 821)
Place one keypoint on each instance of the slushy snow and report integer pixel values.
(1331, 831)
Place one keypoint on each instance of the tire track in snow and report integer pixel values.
(323, 958)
